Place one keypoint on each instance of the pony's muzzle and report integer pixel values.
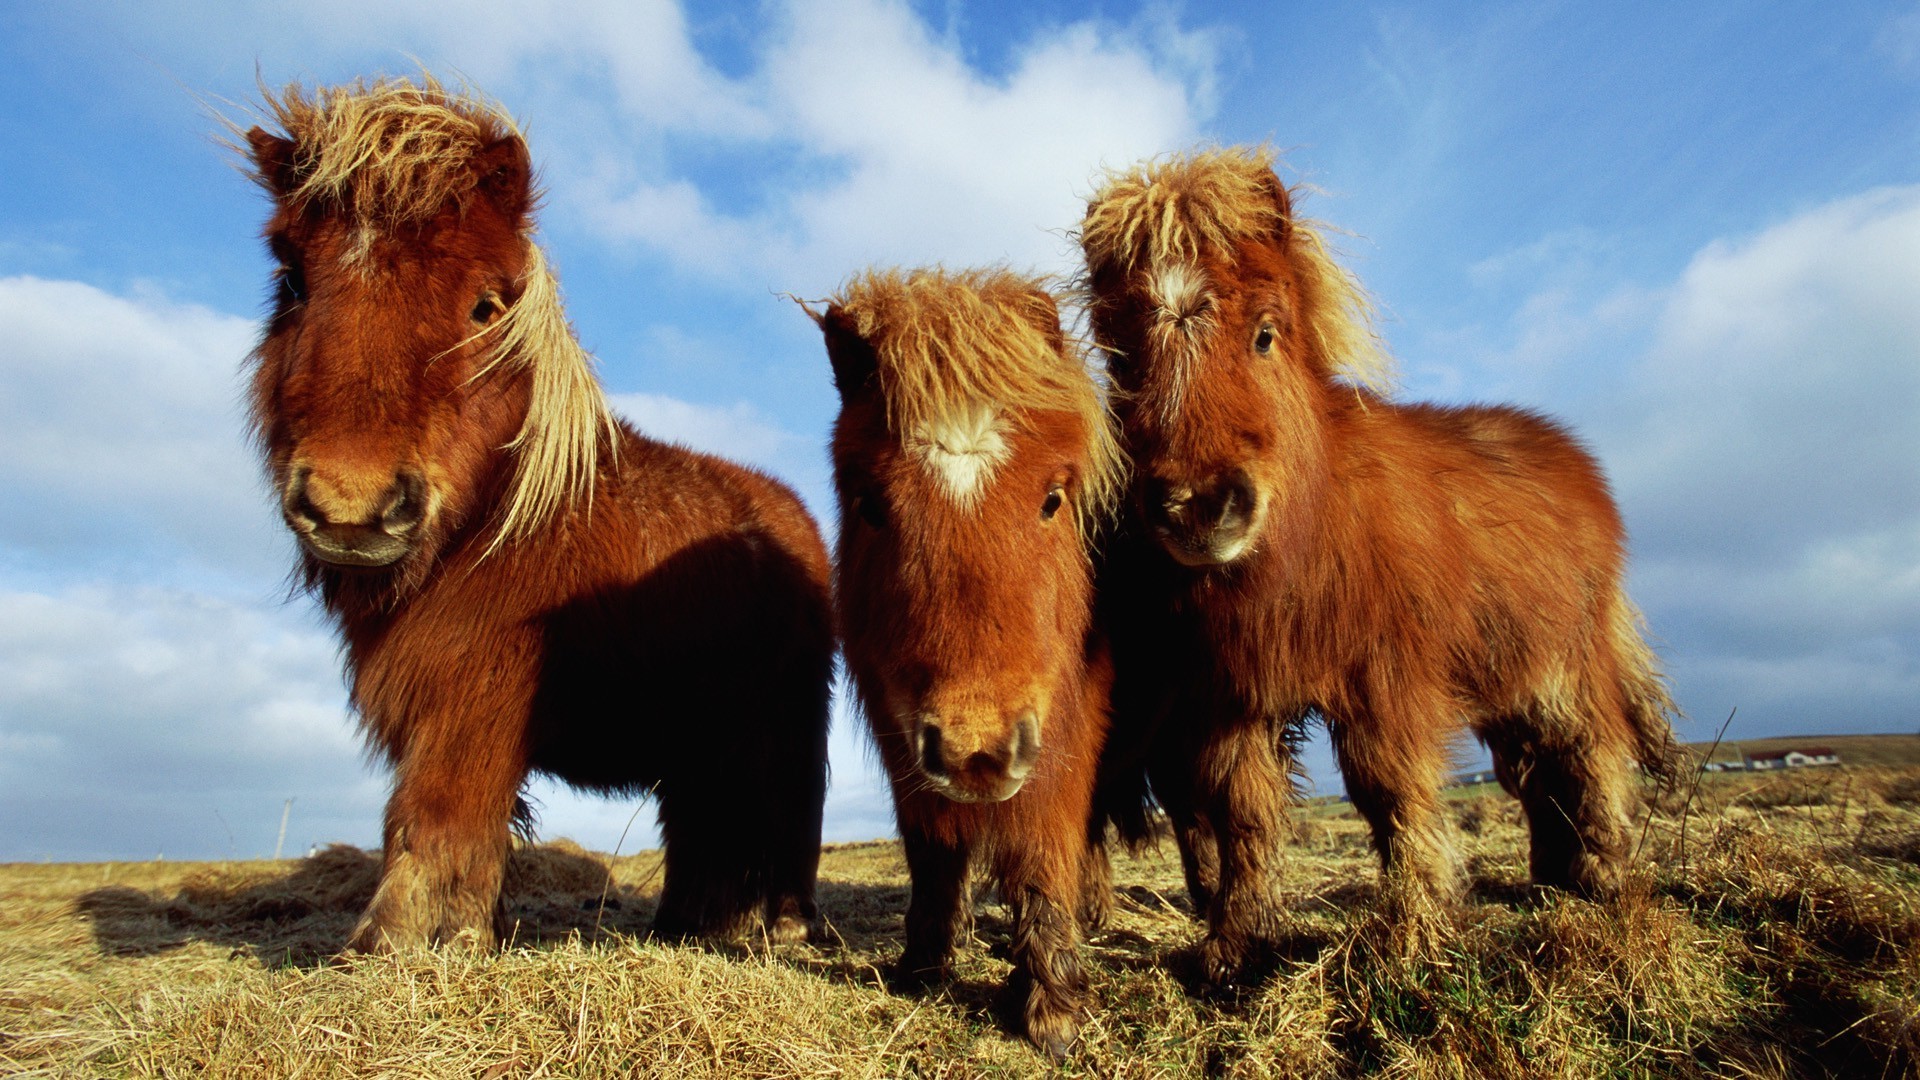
(1204, 523)
(337, 523)
(966, 767)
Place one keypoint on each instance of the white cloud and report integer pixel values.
(915, 156)
(1763, 437)
(1778, 405)
(121, 431)
(840, 132)
(138, 719)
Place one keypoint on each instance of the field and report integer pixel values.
(1773, 931)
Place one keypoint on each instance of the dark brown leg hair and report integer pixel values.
(938, 872)
(1173, 787)
(1575, 789)
(791, 824)
(1096, 881)
(713, 888)
(1048, 980)
(1247, 790)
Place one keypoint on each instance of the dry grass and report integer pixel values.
(1776, 937)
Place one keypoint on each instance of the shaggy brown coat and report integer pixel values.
(973, 456)
(1298, 544)
(521, 582)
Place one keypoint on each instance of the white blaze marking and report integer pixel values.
(962, 450)
(1182, 319)
(1179, 291)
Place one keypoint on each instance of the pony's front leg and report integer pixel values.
(446, 842)
(1048, 981)
(1248, 790)
(937, 870)
(1393, 760)
(1173, 775)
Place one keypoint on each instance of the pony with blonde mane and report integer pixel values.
(1297, 544)
(521, 582)
(974, 459)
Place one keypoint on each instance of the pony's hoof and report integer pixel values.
(1221, 961)
(911, 974)
(1053, 1031)
(790, 930)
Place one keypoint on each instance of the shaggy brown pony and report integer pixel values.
(973, 456)
(1298, 544)
(521, 581)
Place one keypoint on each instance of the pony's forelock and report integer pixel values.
(949, 342)
(385, 152)
(1176, 210)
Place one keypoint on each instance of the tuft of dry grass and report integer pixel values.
(1759, 937)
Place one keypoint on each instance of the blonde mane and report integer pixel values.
(392, 152)
(558, 447)
(1176, 211)
(949, 341)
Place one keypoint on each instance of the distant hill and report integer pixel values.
(1853, 749)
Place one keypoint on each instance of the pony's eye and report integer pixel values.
(872, 509)
(1263, 341)
(487, 308)
(293, 284)
(1056, 495)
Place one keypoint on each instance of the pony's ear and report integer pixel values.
(1044, 314)
(1282, 200)
(272, 160)
(505, 171)
(851, 355)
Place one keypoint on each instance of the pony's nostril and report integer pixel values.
(1236, 502)
(406, 503)
(1026, 745)
(1165, 502)
(932, 758)
(297, 505)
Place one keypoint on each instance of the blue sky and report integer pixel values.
(1691, 230)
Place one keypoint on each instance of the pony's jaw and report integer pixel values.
(1208, 555)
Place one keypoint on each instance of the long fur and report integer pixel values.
(1405, 570)
(390, 153)
(387, 152)
(971, 612)
(569, 597)
(1178, 210)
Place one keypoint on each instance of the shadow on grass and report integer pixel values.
(301, 915)
(303, 918)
